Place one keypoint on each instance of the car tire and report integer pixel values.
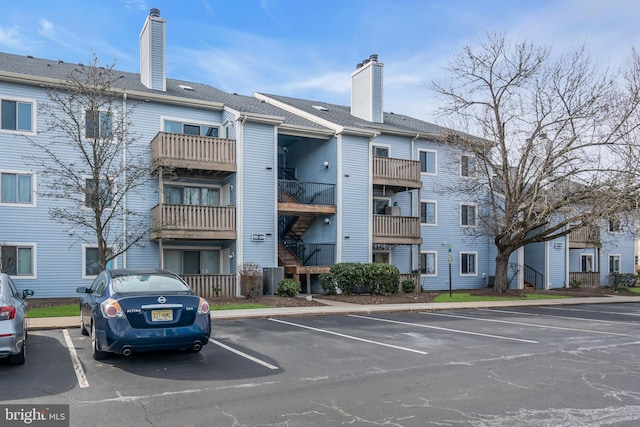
(83, 330)
(19, 359)
(97, 354)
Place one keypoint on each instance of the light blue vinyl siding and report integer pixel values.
(354, 204)
(259, 194)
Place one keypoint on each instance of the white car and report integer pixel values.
(13, 322)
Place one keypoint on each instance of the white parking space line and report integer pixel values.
(535, 325)
(351, 337)
(444, 329)
(245, 355)
(592, 311)
(558, 317)
(77, 366)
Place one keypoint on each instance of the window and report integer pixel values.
(428, 213)
(468, 261)
(173, 126)
(468, 215)
(16, 188)
(428, 162)
(467, 166)
(428, 264)
(183, 261)
(98, 124)
(614, 263)
(614, 225)
(586, 263)
(91, 261)
(195, 196)
(16, 115)
(104, 195)
(380, 206)
(380, 151)
(17, 260)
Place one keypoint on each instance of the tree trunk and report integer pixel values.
(501, 282)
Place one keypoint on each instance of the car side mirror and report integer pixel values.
(27, 293)
(83, 290)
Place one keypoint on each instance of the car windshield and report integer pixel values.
(146, 283)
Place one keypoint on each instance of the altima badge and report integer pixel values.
(162, 300)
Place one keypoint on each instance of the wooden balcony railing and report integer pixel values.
(585, 237)
(193, 152)
(584, 279)
(396, 229)
(396, 172)
(212, 285)
(193, 222)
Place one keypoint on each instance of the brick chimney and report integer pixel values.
(366, 90)
(153, 68)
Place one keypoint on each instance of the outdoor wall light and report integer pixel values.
(327, 221)
(326, 165)
(232, 255)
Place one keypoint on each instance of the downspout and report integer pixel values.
(239, 200)
(124, 178)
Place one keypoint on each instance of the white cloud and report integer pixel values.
(11, 37)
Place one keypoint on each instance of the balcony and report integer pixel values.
(193, 222)
(585, 237)
(398, 174)
(212, 285)
(194, 152)
(396, 230)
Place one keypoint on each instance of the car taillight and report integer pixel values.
(8, 312)
(111, 308)
(203, 307)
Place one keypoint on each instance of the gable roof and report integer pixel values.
(36, 71)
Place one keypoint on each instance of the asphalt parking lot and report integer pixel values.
(526, 366)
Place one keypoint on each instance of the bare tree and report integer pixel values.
(556, 140)
(89, 161)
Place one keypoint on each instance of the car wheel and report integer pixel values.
(97, 354)
(83, 330)
(18, 359)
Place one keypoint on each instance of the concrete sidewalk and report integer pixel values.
(337, 307)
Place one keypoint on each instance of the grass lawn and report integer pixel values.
(55, 311)
(465, 297)
(635, 290)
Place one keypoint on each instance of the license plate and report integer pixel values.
(161, 315)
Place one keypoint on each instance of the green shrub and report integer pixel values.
(288, 288)
(382, 278)
(347, 276)
(327, 284)
(408, 286)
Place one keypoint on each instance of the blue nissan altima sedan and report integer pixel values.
(130, 310)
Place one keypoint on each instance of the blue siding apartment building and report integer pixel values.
(270, 180)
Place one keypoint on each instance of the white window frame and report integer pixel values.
(34, 202)
(113, 119)
(583, 256)
(34, 109)
(435, 260)
(475, 263)
(472, 166)
(220, 249)
(84, 192)
(187, 121)
(373, 203)
(34, 258)
(86, 246)
(387, 147)
(435, 203)
(617, 225)
(475, 214)
(435, 161)
(619, 262)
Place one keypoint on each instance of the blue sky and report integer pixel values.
(308, 49)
